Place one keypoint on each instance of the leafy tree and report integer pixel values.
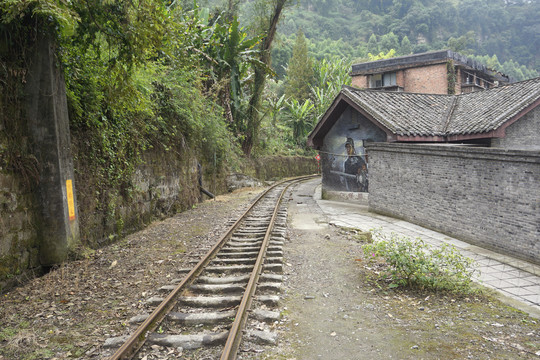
(276, 105)
(300, 119)
(299, 71)
(330, 75)
(382, 55)
(59, 12)
(420, 48)
(373, 45)
(228, 52)
(281, 55)
(389, 41)
(515, 71)
(270, 13)
(401, 7)
(463, 43)
(419, 19)
(406, 47)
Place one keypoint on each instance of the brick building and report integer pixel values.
(438, 72)
(467, 165)
(507, 116)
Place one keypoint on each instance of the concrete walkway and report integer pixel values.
(517, 281)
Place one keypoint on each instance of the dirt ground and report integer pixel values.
(332, 307)
(336, 309)
(69, 312)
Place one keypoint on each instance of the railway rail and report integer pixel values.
(209, 307)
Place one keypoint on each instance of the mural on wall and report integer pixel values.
(344, 160)
(348, 171)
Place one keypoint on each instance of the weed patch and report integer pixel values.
(413, 263)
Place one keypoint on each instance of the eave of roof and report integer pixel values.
(332, 114)
(484, 111)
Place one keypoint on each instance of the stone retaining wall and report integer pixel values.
(486, 196)
(163, 185)
(279, 167)
(19, 248)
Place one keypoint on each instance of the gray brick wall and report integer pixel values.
(485, 196)
(523, 134)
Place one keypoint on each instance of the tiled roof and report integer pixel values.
(410, 114)
(404, 113)
(487, 110)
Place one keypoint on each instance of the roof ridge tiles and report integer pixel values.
(448, 115)
(394, 93)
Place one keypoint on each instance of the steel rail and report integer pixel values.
(137, 339)
(235, 334)
(132, 345)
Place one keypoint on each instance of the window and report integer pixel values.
(389, 79)
(376, 81)
(382, 80)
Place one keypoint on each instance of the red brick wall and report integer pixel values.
(360, 81)
(400, 78)
(429, 79)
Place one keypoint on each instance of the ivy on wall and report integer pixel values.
(451, 77)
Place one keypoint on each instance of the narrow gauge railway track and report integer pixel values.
(209, 306)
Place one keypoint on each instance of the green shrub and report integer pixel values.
(413, 263)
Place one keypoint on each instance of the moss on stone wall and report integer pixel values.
(279, 167)
(165, 183)
(18, 234)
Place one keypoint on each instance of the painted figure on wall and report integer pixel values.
(345, 164)
(355, 169)
(351, 173)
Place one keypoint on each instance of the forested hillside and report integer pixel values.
(176, 74)
(506, 29)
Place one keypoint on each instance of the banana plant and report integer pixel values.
(330, 76)
(228, 53)
(276, 105)
(300, 119)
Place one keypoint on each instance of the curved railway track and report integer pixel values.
(209, 307)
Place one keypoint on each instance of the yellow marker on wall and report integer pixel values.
(70, 200)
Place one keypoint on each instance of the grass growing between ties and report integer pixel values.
(406, 262)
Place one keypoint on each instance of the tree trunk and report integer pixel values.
(253, 120)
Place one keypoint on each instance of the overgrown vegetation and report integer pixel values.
(451, 77)
(219, 79)
(139, 76)
(415, 264)
(133, 84)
